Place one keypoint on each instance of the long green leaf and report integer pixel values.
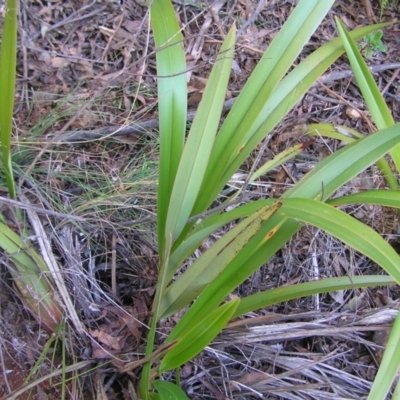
(390, 365)
(172, 104)
(8, 57)
(387, 198)
(347, 229)
(169, 391)
(271, 236)
(337, 132)
(212, 263)
(197, 338)
(285, 293)
(234, 141)
(282, 157)
(248, 111)
(200, 141)
(345, 164)
(327, 177)
(321, 182)
(376, 103)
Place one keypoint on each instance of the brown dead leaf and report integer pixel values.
(198, 83)
(294, 133)
(101, 354)
(106, 338)
(133, 326)
(251, 378)
(133, 26)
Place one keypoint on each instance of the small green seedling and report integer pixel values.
(373, 44)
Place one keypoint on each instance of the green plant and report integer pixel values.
(7, 84)
(192, 175)
(373, 44)
(30, 273)
(385, 3)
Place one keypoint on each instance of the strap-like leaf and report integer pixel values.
(337, 132)
(200, 141)
(197, 338)
(387, 198)
(390, 365)
(8, 57)
(376, 103)
(239, 143)
(326, 178)
(285, 293)
(345, 164)
(270, 238)
(205, 269)
(347, 229)
(172, 103)
(169, 391)
(282, 157)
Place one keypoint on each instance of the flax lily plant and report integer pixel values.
(194, 171)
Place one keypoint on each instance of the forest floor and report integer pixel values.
(86, 138)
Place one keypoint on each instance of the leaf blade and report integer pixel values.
(8, 60)
(387, 198)
(172, 104)
(376, 103)
(200, 141)
(206, 268)
(284, 293)
(273, 110)
(197, 338)
(169, 391)
(347, 229)
(390, 365)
